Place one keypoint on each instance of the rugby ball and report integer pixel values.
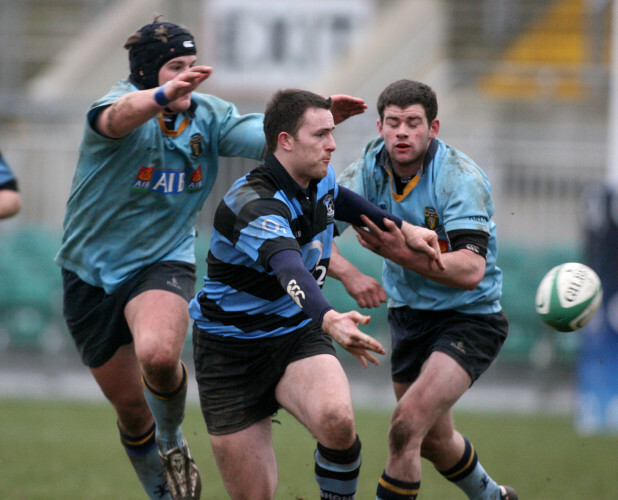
(568, 296)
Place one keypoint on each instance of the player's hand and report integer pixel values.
(366, 290)
(343, 328)
(186, 82)
(395, 244)
(345, 106)
(423, 240)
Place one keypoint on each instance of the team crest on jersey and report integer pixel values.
(432, 221)
(329, 203)
(196, 145)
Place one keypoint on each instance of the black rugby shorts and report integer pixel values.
(473, 340)
(96, 319)
(237, 378)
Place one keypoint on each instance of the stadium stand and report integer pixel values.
(548, 56)
(30, 295)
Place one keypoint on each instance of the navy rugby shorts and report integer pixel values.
(473, 340)
(237, 378)
(96, 319)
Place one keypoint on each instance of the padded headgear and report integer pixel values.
(152, 46)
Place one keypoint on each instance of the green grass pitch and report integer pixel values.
(71, 450)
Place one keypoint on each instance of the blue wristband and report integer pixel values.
(159, 96)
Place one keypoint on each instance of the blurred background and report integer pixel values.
(525, 87)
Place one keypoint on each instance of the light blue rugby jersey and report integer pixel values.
(134, 200)
(6, 174)
(263, 213)
(453, 193)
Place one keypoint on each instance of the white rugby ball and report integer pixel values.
(568, 296)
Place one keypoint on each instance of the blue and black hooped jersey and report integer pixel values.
(7, 178)
(263, 213)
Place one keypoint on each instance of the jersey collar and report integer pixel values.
(187, 116)
(384, 161)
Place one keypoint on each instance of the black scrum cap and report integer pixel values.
(152, 46)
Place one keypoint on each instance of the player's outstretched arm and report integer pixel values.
(299, 283)
(365, 289)
(345, 106)
(136, 108)
(343, 328)
(460, 269)
(303, 289)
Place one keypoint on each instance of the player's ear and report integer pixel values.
(285, 141)
(379, 124)
(434, 128)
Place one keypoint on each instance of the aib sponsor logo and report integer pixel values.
(168, 181)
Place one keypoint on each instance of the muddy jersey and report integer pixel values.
(263, 213)
(450, 193)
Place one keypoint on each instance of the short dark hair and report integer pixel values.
(285, 111)
(404, 93)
